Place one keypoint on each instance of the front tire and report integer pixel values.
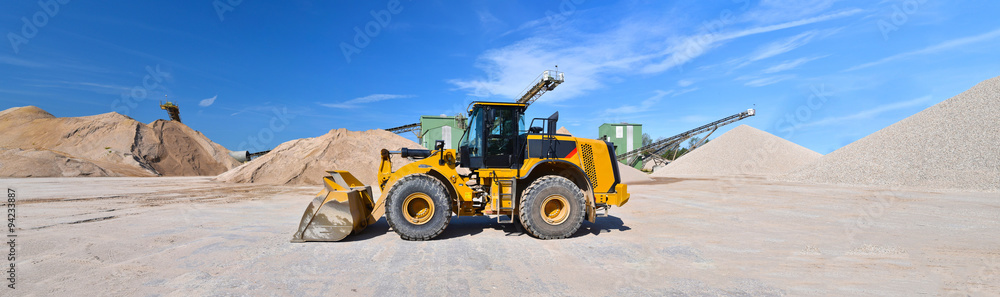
(552, 207)
(418, 207)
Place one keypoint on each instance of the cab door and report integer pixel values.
(501, 127)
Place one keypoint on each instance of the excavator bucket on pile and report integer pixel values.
(343, 207)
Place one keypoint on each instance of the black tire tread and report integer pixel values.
(524, 209)
(427, 182)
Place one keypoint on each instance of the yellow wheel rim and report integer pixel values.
(418, 208)
(555, 209)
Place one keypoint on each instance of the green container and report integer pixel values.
(625, 136)
(445, 128)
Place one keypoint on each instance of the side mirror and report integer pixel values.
(463, 156)
(490, 113)
(439, 147)
(552, 123)
(488, 120)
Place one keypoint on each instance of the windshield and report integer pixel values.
(522, 125)
(471, 136)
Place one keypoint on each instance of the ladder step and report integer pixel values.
(504, 194)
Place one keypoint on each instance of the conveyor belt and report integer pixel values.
(548, 80)
(405, 128)
(632, 156)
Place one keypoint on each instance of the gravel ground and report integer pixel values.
(191, 236)
(741, 151)
(952, 145)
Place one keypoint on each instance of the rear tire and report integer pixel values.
(552, 207)
(418, 207)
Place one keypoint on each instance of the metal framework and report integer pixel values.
(173, 110)
(633, 156)
(405, 128)
(415, 128)
(548, 80)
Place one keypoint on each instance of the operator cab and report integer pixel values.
(492, 138)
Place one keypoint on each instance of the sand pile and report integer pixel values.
(952, 145)
(186, 152)
(654, 163)
(305, 161)
(631, 175)
(741, 151)
(116, 144)
(563, 130)
(40, 162)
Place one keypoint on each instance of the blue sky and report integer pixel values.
(252, 74)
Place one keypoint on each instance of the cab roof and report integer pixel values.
(487, 103)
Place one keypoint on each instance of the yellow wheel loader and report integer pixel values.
(546, 182)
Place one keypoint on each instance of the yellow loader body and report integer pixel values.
(547, 182)
(346, 206)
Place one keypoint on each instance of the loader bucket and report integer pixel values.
(344, 206)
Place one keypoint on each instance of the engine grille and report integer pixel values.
(588, 165)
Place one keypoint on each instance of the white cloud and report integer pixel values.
(947, 45)
(645, 105)
(791, 64)
(589, 60)
(684, 91)
(867, 114)
(207, 102)
(487, 19)
(684, 83)
(527, 25)
(792, 24)
(780, 47)
(772, 11)
(510, 69)
(354, 103)
(695, 46)
(9, 60)
(764, 81)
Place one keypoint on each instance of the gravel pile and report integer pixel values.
(563, 130)
(952, 145)
(305, 161)
(740, 152)
(628, 174)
